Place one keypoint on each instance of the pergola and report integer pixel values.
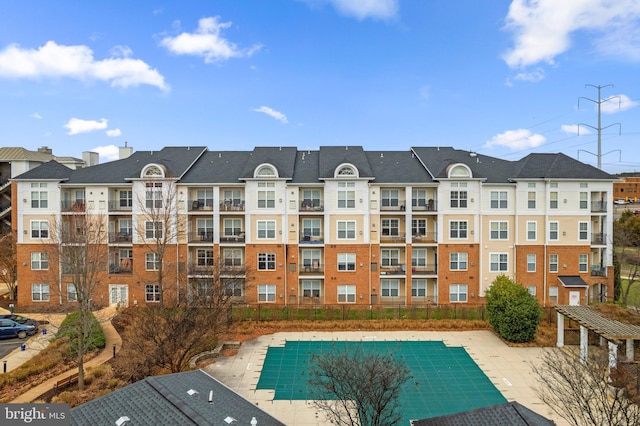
(611, 330)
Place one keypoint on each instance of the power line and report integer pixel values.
(599, 129)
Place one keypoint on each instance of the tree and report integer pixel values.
(9, 263)
(358, 387)
(626, 240)
(512, 311)
(80, 251)
(587, 393)
(617, 279)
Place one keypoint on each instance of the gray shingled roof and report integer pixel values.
(397, 167)
(556, 166)
(218, 167)
(283, 158)
(332, 156)
(165, 400)
(51, 170)
(507, 414)
(307, 164)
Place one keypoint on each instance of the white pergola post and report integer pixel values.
(613, 355)
(630, 354)
(584, 344)
(560, 333)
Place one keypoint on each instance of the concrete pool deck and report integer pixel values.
(508, 368)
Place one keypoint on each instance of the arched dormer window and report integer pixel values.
(457, 171)
(346, 170)
(152, 171)
(265, 171)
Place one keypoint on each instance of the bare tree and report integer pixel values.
(9, 263)
(588, 393)
(626, 239)
(80, 252)
(358, 387)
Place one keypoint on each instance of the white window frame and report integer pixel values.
(532, 289)
(583, 263)
(153, 195)
(418, 226)
(554, 231)
(418, 287)
(39, 261)
(531, 262)
(390, 227)
(458, 293)
(584, 200)
(153, 230)
(531, 199)
(39, 196)
(204, 197)
(204, 257)
(458, 261)
(532, 230)
(346, 293)
(553, 294)
(553, 200)
(498, 262)
(311, 288)
(311, 258)
(419, 258)
(266, 229)
(311, 198)
(39, 229)
(554, 261)
(346, 229)
(583, 231)
(389, 287)
(389, 198)
(389, 258)
(232, 257)
(266, 195)
(233, 225)
(72, 293)
(499, 199)
(498, 230)
(152, 293)
(458, 198)
(266, 292)
(458, 229)
(266, 261)
(151, 262)
(346, 262)
(40, 292)
(311, 227)
(125, 198)
(419, 197)
(233, 288)
(346, 197)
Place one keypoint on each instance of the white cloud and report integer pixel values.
(77, 62)
(113, 133)
(363, 9)
(575, 129)
(272, 113)
(108, 152)
(36, 116)
(516, 140)
(543, 28)
(207, 42)
(121, 51)
(617, 103)
(77, 126)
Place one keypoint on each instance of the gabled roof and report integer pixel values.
(283, 158)
(23, 154)
(217, 167)
(173, 399)
(332, 156)
(556, 166)
(507, 414)
(307, 164)
(397, 167)
(51, 170)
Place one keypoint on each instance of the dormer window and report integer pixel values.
(266, 171)
(346, 170)
(459, 171)
(153, 171)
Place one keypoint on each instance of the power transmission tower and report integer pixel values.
(599, 129)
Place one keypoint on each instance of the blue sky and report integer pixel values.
(503, 78)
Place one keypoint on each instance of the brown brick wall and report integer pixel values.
(471, 276)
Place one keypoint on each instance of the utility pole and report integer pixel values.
(599, 129)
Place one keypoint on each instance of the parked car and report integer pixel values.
(20, 319)
(620, 201)
(10, 328)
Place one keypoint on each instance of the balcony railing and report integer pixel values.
(119, 237)
(313, 206)
(391, 237)
(232, 238)
(428, 269)
(124, 267)
(73, 206)
(232, 206)
(598, 206)
(311, 240)
(400, 269)
(202, 204)
(393, 205)
(598, 271)
(427, 237)
(599, 238)
(421, 205)
(312, 268)
(117, 206)
(200, 237)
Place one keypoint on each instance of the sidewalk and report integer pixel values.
(40, 341)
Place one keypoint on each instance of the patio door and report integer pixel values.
(118, 295)
(574, 298)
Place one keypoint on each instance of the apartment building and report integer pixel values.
(337, 225)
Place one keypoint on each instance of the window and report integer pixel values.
(266, 293)
(153, 195)
(553, 294)
(583, 231)
(39, 261)
(232, 197)
(532, 231)
(499, 230)
(531, 195)
(458, 197)
(232, 288)
(72, 293)
(125, 197)
(40, 292)
(418, 227)
(266, 229)
(311, 227)
(310, 288)
(152, 293)
(266, 195)
(39, 196)
(553, 263)
(232, 257)
(498, 199)
(583, 263)
(204, 229)
(458, 261)
(531, 263)
(389, 257)
(346, 171)
(390, 288)
(204, 197)
(204, 257)
(419, 258)
(553, 231)
(457, 293)
(498, 262)
(346, 230)
(346, 261)
(153, 230)
(553, 200)
(125, 227)
(346, 197)
(418, 288)
(266, 171)
(152, 262)
(389, 198)
(346, 294)
(125, 259)
(418, 197)
(39, 229)
(532, 290)
(311, 259)
(266, 261)
(391, 227)
(232, 227)
(311, 198)
(458, 229)
(584, 200)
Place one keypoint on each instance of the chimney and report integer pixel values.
(45, 150)
(125, 151)
(90, 158)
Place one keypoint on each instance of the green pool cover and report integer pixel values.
(445, 380)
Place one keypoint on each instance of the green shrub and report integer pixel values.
(512, 311)
(94, 338)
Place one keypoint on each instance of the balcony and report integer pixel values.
(424, 205)
(200, 205)
(599, 206)
(598, 271)
(392, 237)
(400, 269)
(232, 206)
(311, 206)
(200, 237)
(120, 206)
(120, 237)
(311, 240)
(599, 238)
(124, 267)
(73, 206)
(427, 237)
(233, 238)
(393, 205)
(311, 268)
(429, 269)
